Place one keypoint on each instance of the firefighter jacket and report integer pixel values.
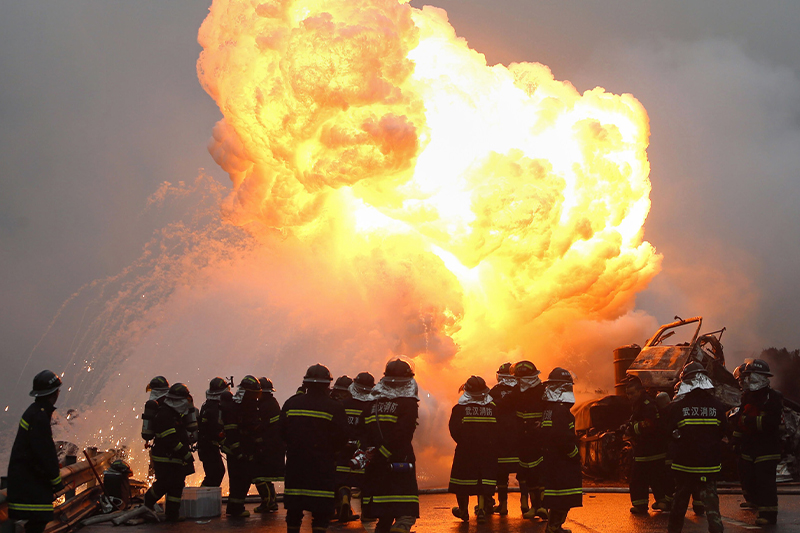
(314, 428)
(697, 424)
(33, 471)
(391, 476)
(211, 427)
(474, 429)
(271, 451)
(563, 479)
(527, 406)
(171, 444)
(148, 417)
(242, 425)
(759, 423)
(647, 431)
(507, 428)
(355, 410)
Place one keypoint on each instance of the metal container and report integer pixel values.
(623, 357)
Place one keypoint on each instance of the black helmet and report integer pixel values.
(365, 381)
(157, 383)
(506, 369)
(691, 369)
(559, 374)
(217, 385)
(266, 384)
(342, 383)
(122, 467)
(179, 391)
(525, 369)
(398, 370)
(757, 366)
(476, 385)
(632, 381)
(250, 383)
(317, 374)
(45, 383)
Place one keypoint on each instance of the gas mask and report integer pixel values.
(528, 382)
(558, 392)
(754, 382)
(695, 381)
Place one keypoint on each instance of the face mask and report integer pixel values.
(157, 394)
(360, 393)
(559, 392)
(695, 381)
(392, 390)
(480, 399)
(754, 382)
(508, 381)
(181, 406)
(528, 382)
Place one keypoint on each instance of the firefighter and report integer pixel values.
(270, 452)
(33, 470)
(158, 389)
(528, 405)
(313, 426)
(242, 426)
(211, 434)
(391, 475)
(646, 430)
(172, 457)
(563, 478)
(507, 435)
(697, 424)
(744, 467)
(473, 426)
(344, 472)
(356, 409)
(759, 422)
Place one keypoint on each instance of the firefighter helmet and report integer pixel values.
(217, 385)
(559, 374)
(158, 383)
(398, 369)
(317, 374)
(506, 369)
(250, 383)
(757, 366)
(342, 383)
(693, 368)
(266, 384)
(45, 383)
(525, 369)
(178, 391)
(476, 385)
(739, 370)
(365, 381)
(631, 380)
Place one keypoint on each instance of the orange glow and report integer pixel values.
(357, 122)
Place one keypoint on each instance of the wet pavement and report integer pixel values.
(601, 513)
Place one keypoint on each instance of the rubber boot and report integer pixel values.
(263, 491)
(172, 509)
(537, 499)
(557, 519)
(502, 501)
(461, 511)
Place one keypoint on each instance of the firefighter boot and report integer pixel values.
(263, 491)
(345, 509)
(537, 500)
(663, 505)
(461, 511)
(557, 519)
(698, 507)
(481, 512)
(172, 509)
(502, 501)
(523, 497)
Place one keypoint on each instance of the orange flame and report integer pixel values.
(357, 122)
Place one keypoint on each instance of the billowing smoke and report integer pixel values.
(392, 194)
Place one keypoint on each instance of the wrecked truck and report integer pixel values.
(605, 451)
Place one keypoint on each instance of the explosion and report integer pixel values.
(373, 125)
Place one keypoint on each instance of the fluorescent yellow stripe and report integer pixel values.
(479, 419)
(491, 482)
(30, 507)
(308, 492)
(547, 424)
(310, 414)
(345, 469)
(521, 414)
(532, 464)
(465, 482)
(648, 458)
(763, 458)
(353, 411)
(698, 422)
(385, 451)
(56, 480)
(573, 453)
(395, 499)
(758, 421)
(173, 499)
(508, 460)
(274, 419)
(696, 469)
(24, 425)
(170, 431)
(563, 492)
(230, 426)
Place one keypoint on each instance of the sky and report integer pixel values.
(100, 103)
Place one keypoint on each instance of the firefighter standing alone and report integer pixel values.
(33, 470)
(759, 422)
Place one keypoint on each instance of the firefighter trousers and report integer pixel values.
(240, 477)
(703, 486)
(646, 475)
(213, 466)
(169, 482)
(763, 486)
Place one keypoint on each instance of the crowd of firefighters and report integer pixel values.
(323, 443)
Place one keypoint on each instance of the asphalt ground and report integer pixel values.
(601, 513)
